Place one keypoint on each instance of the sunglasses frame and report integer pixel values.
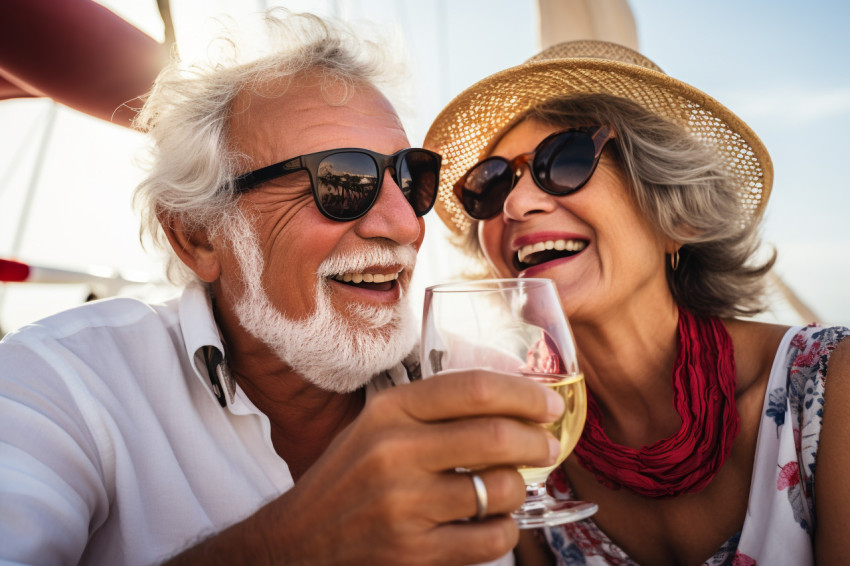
(600, 135)
(310, 162)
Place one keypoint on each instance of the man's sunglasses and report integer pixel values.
(561, 164)
(345, 182)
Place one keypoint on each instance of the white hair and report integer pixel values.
(191, 163)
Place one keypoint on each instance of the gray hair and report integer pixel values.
(685, 190)
(191, 163)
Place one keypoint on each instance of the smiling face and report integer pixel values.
(361, 269)
(594, 243)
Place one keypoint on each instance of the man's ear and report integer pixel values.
(194, 248)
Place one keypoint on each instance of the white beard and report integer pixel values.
(334, 351)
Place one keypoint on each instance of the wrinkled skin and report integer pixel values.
(375, 482)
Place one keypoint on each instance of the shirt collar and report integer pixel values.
(203, 342)
(205, 348)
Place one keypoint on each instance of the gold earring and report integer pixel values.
(674, 260)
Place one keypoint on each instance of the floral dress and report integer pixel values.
(781, 510)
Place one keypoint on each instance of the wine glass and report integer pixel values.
(513, 326)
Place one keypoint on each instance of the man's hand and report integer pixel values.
(385, 491)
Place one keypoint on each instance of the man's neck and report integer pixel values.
(304, 419)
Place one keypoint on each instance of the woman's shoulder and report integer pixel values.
(755, 344)
(832, 359)
(755, 331)
(807, 348)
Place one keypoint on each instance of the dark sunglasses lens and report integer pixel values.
(486, 187)
(565, 163)
(418, 177)
(347, 184)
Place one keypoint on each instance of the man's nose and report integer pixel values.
(392, 216)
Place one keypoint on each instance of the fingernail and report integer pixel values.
(554, 450)
(555, 404)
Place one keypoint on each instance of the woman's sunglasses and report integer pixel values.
(561, 164)
(345, 182)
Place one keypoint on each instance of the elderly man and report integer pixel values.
(260, 417)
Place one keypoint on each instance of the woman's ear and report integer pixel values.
(672, 247)
(194, 248)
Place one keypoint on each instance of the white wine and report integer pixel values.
(513, 326)
(568, 428)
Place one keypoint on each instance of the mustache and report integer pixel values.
(375, 255)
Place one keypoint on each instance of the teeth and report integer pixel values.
(366, 277)
(561, 245)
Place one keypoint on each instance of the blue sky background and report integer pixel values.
(778, 64)
(782, 66)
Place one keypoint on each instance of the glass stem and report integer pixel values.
(534, 491)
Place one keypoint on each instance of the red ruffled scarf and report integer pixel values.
(704, 383)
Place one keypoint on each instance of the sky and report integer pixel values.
(779, 65)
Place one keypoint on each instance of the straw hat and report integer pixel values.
(465, 130)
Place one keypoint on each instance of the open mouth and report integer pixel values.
(541, 252)
(370, 281)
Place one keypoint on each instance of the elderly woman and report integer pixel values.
(709, 438)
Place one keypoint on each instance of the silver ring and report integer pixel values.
(480, 496)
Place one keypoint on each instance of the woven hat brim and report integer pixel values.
(466, 128)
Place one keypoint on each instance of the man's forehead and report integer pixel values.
(303, 115)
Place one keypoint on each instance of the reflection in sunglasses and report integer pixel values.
(345, 191)
(346, 181)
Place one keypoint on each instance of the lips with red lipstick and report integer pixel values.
(530, 255)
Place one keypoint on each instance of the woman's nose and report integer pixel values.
(526, 197)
